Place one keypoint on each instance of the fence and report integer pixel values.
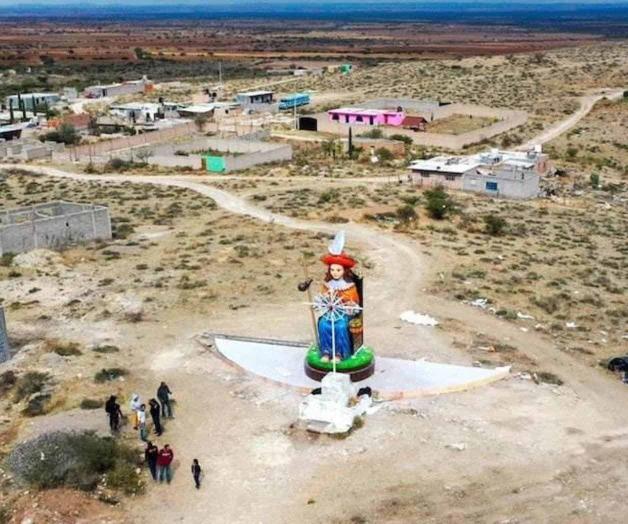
(508, 119)
(152, 137)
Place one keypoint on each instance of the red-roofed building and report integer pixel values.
(415, 123)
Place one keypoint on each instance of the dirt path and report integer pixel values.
(586, 104)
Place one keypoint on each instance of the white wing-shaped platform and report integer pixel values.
(393, 379)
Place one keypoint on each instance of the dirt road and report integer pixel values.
(586, 104)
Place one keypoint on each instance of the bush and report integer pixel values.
(494, 225)
(438, 203)
(373, 133)
(77, 460)
(68, 349)
(406, 214)
(594, 179)
(30, 383)
(384, 154)
(106, 349)
(402, 138)
(91, 403)
(7, 259)
(106, 375)
(8, 379)
(66, 134)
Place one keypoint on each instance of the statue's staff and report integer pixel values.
(306, 286)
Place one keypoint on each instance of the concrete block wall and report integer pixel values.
(5, 353)
(53, 226)
(522, 187)
(276, 154)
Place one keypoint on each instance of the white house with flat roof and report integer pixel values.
(137, 111)
(509, 174)
(123, 88)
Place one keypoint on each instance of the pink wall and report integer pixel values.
(378, 118)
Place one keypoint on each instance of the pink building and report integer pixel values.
(369, 117)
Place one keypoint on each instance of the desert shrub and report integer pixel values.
(438, 203)
(6, 259)
(402, 138)
(106, 375)
(77, 460)
(406, 214)
(8, 379)
(107, 348)
(494, 225)
(66, 134)
(124, 477)
(67, 349)
(30, 383)
(384, 154)
(122, 231)
(594, 179)
(373, 133)
(37, 405)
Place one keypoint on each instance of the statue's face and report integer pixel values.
(336, 271)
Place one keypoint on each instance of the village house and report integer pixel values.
(508, 174)
(125, 88)
(414, 123)
(371, 117)
(254, 98)
(138, 111)
(212, 110)
(32, 101)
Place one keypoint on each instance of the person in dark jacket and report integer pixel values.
(163, 394)
(150, 456)
(196, 473)
(115, 413)
(155, 415)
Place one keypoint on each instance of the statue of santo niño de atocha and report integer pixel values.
(339, 328)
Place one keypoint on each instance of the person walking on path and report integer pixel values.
(155, 415)
(115, 414)
(141, 422)
(135, 407)
(164, 461)
(196, 473)
(150, 456)
(163, 394)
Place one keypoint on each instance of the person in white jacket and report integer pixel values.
(136, 403)
(141, 422)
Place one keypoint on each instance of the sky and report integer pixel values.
(208, 3)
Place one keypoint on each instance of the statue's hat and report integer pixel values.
(342, 259)
(336, 254)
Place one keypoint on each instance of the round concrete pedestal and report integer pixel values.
(356, 375)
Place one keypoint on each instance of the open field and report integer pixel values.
(73, 42)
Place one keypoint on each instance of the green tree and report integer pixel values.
(438, 203)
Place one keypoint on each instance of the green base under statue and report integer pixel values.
(359, 366)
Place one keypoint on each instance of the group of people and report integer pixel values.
(159, 461)
(157, 410)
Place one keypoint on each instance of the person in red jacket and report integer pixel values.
(164, 460)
